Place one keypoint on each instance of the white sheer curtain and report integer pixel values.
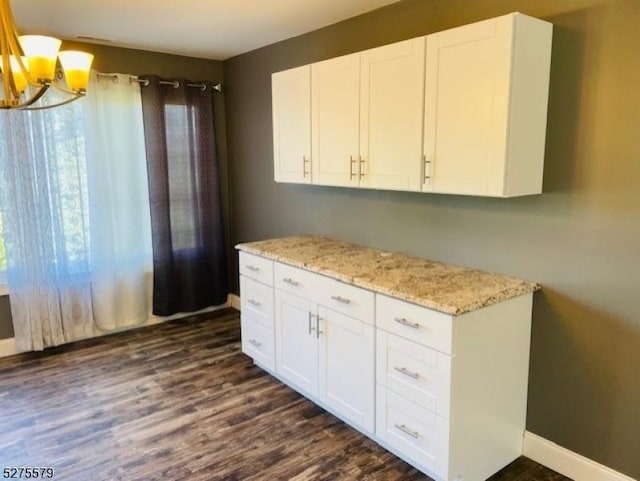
(76, 222)
(44, 200)
(119, 201)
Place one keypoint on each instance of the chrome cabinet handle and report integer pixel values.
(406, 430)
(305, 161)
(341, 299)
(404, 322)
(351, 162)
(427, 163)
(253, 268)
(255, 343)
(311, 329)
(406, 372)
(253, 302)
(290, 281)
(318, 331)
(361, 167)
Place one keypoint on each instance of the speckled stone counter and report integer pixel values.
(444, 287)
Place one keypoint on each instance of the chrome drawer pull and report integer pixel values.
(344, 300)
(253, 268)
(406, 372)
(255, 343)
(290, 281)
(404, 322)
(253, 302)
(406, 430)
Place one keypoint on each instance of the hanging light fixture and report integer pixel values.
(30, 60)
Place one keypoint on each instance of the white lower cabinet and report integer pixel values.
(445, 393)
(327, 356)
(256, 321)
(452, 390)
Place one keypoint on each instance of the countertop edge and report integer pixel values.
(525, 287)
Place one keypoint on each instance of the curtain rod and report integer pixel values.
(175, 83)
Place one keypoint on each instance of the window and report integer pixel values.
(182, 178)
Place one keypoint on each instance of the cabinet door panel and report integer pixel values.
(335, 87)
(296, 342)
(257, 342)
(466, 108)
(347, 367)
(417, 433)
(391, 115)
(291, 97)
(256, 267)
(257, 301)
(414, 372)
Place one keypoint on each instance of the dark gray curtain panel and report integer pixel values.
(189, 266)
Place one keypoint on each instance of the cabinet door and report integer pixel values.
(291, 97)
(347, 367)
(466, 108)
(391, 115)
(335, 87)
(296, 342)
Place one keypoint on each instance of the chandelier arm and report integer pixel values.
(4, 51)
(12, 35)
(37, 96)
(64, 90)
(25, 106)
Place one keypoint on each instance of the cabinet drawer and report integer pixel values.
(256, 267)
(415, 323)
(296, 281)
(417, 373)
(350, 300)
(418, 434)
(258, 342)
(257, 301)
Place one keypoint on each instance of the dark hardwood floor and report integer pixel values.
(179, 401)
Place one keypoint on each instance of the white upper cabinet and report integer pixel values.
(366, 118)
(335, 121)
(291, 97)
(486, 107)
(470, 119)
(391, 93)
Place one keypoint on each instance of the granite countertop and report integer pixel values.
(443, 287)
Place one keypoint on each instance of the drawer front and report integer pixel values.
(257, 301)
(296, 281)
(418, 434)
(346, 299)
(256, 267)
(415, 323)
(418, 373)
(258, 342)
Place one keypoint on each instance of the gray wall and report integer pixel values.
(137, 62)
(580, 239)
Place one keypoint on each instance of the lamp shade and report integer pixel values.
(76, 66)
(41, 53)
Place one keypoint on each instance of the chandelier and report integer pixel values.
(28, 66)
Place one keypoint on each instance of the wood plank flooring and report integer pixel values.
(179, 401)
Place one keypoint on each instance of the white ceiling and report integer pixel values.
(214, 29)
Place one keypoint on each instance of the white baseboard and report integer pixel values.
(567, 462)
(8, 347)
(234, 301)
